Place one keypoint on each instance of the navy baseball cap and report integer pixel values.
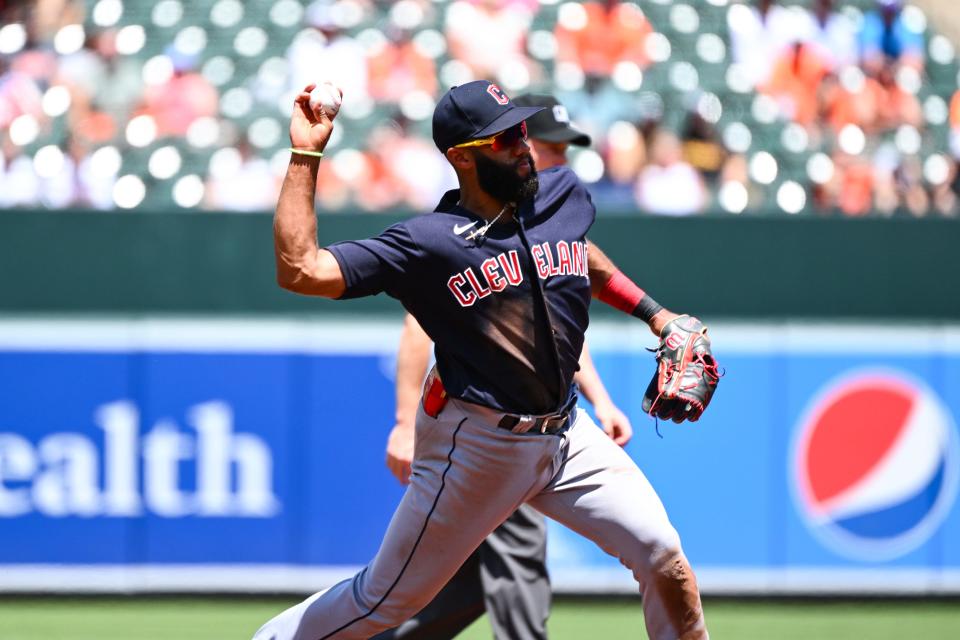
(553, 123)
(475, 110)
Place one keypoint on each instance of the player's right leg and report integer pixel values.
(468, 477)
(600, 493)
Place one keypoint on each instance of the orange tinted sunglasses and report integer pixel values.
(506, 139)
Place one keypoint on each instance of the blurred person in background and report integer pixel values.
(668, 185)
(875, 104)
(848, 98)
(886, 39)
(19, 183)
(701, 148)
(734, 182)
(912, 193)
(758, 34)
(954, 120)
(507, 575)
(852, 186)
(599, 104)
(897, 106)
(955, 113)
(325, 45)
(399, 68)
(412, 169)
(606, 34)
(183, 98)
(795, 82)
(624, 153)
(831, 35)
(47, 16)
(945, 194)
(489, 36)
(20, 91)
(240, 180)
(122, 87)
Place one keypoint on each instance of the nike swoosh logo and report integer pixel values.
(460, 228)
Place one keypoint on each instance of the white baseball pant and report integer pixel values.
(468, 476)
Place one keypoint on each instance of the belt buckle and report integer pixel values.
(524, 424)
(548, 419)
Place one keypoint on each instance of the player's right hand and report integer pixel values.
(400, 451)
(310, 129)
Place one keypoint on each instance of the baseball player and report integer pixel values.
(500, 277)
(506, 575)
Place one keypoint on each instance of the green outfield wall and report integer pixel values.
(744, 267)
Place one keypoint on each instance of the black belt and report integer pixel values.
(544, 424)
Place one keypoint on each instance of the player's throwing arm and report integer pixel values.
(302, 266)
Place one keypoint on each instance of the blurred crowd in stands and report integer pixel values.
(693, 106)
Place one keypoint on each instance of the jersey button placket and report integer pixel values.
(539, 288)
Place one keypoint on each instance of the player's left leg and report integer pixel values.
(468, 476)
(600, 493)
(513, 569)
(506, 577)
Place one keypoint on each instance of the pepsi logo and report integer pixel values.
(875, 464)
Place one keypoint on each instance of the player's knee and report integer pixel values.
(652, 550)
(679, 596)
(672, 570)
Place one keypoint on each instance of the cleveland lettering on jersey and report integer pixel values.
(490, 291)
(563, 259)
(497, 272)
(551, 259)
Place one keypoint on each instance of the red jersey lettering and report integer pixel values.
(465, 298)
(511, 268)
(478, 286)
(563, 258)
(542, 269)
(576, 256)
(554, 271)
(494, 279)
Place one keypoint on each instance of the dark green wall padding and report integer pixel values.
(749, 267)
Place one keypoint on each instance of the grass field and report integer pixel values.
(236, 619)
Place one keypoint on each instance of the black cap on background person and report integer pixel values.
(549, 132)
(553, 123)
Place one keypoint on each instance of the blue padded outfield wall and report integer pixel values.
(247, 455)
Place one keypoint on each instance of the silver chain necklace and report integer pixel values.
(482, 231)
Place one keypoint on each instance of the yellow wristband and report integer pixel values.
(304, 152)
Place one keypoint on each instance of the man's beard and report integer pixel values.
(502, 181)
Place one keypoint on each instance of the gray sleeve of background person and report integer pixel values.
(513, 571)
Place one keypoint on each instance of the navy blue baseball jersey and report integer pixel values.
(507, 310)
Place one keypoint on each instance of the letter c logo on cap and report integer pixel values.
(498, 94)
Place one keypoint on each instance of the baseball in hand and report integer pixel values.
(327, 96)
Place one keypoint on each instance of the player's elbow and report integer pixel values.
(297, 282)
(294, 277)
(304, 279)
(289, 279)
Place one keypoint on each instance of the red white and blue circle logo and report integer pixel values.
(875, 464)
